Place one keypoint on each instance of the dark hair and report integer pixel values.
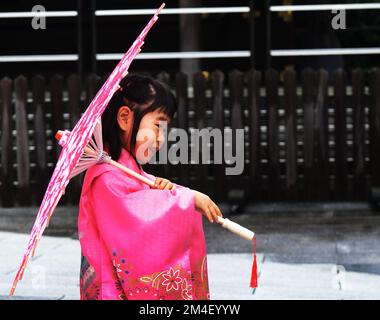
(142, 94)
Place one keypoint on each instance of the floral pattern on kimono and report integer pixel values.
(89, 286)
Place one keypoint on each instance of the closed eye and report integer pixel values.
(162, 126)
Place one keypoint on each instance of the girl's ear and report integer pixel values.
(124, 117)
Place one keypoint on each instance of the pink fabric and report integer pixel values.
(76, 141)
(139, 243)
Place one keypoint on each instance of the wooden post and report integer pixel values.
(291, 133)
(274, 181)
(321, 164)
(217, 79)
(190, 33)
(200, 106)
(7, 189)
(341, 170)
(39, 110)
(309, 82)
(359, 134)
(238, 183)
(375, 137)
(182, 119)
(56, 96)
(22, 143)
(254, 82)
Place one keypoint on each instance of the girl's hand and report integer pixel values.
(163, 184)
(206, 206)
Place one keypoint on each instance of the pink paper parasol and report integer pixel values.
(73, 149)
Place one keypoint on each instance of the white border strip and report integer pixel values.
(324, 52)
(40, 58)
(178, 55)
(323, 7)
(31, 14)
(134, 12)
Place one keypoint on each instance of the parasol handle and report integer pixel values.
(236, 228)
(132, 173)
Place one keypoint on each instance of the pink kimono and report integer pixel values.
(137, 242)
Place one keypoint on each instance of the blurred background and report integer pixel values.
(299, 78)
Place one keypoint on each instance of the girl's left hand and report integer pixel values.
(163, 184)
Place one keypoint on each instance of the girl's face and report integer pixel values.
(150, 136)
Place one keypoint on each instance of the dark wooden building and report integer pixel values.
(306, 94)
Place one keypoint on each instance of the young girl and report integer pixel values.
(140, 242)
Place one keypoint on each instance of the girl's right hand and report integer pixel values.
(206, 206)
(163, 184)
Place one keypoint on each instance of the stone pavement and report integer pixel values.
(301, 255)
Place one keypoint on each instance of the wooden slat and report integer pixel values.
(38, 90)
(341, 170)
(274, 181)
(56, 94)
(73, 88)
(375, 136)
(7, 176)
(359, 134)
(164, 77)
(93, 84)
(22, 143)
(200, 120)
(309, 81)
(235, 80)
(254, 83)
(182, 121)
(291, 134)
(321, 185)
(238, 184)
(217, 79)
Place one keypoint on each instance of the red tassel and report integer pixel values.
(254, 266)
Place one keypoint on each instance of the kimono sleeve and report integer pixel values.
(148, 229)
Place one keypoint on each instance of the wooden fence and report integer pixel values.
(311, 136)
